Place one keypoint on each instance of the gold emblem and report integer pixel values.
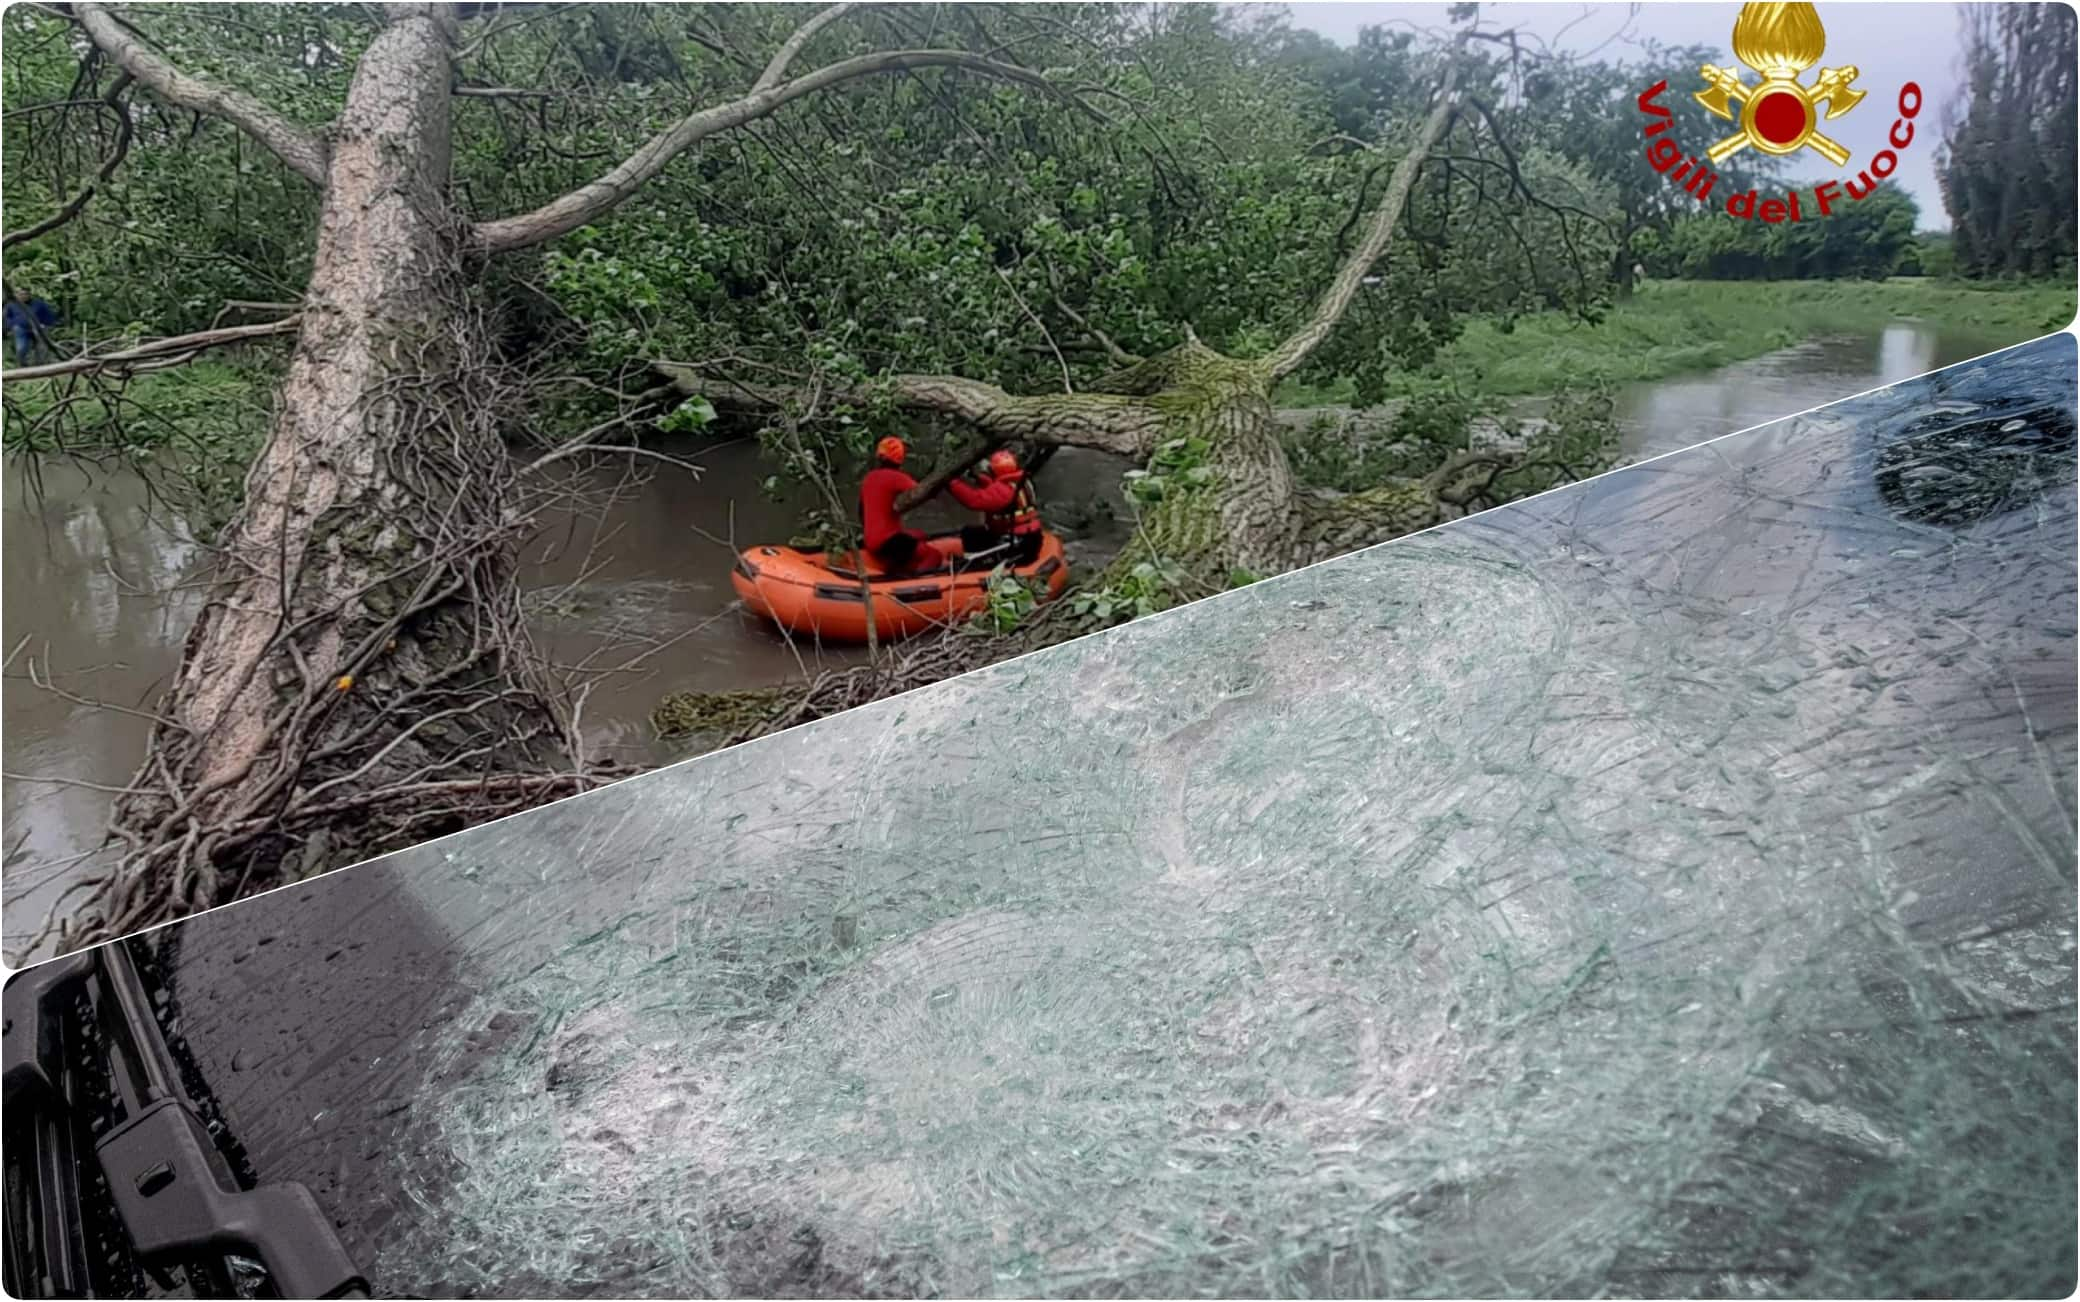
(1780, 116)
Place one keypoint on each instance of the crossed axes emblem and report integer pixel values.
(1834, 87)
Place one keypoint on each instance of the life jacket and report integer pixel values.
(1023, 516)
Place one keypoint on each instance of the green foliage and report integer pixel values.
(1145, 589)
(1430, 421)
(1869, 239)
(197, 214)
(939, 221)
(947, 223)
(1935, 254)
(1010, 602)
(690, 416)
(1178, 466)
(822, 530)
(1587, 111)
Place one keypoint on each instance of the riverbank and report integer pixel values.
(1675, 327)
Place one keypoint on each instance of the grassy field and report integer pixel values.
(1676, 327)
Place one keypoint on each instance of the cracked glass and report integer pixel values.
(1661, 886)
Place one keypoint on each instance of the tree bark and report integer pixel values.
(364, 636)
(300, 150)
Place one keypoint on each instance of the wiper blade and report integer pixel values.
(173, 1191)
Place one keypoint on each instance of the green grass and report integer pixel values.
(202, 405)
(198, 425)
(1677, 327)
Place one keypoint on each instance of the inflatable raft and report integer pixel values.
(819, 595)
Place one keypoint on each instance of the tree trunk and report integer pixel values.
(1622, 263)
(361, 665)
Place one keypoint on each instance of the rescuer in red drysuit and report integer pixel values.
(903, 551)
(1010, 513)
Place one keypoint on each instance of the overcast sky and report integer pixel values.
(1891, 42)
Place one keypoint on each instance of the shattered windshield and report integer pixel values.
(1661, 886)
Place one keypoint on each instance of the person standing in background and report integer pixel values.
(29, 323)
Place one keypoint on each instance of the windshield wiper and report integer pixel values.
(173, 1192)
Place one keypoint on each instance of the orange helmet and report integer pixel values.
(1002, 463)
(891, 449)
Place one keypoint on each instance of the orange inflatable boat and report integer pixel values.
(819, 595)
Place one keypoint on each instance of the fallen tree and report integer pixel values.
(360, 677)
(1233, 510)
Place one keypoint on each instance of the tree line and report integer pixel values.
(2007, 165)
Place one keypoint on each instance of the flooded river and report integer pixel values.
(1665, 415)
(95, 604)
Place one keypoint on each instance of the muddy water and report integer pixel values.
(94, 601)
(647, 585)
(1665, 415)
(636, 602)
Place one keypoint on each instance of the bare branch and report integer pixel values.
(793, 45)
(156, 355)
(1068, 385)
(590, 202)
(1119, 355)
(300, 150)
(78, 202)
(1284, 359)
(616, 449)
(503, 92)
(641, 406)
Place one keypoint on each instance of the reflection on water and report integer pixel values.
(1665, 415)
(92, 606)
(93, 575)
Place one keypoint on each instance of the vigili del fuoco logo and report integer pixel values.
(1779, 116)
